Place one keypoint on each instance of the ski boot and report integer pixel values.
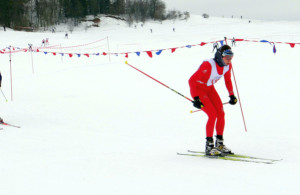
(210, 150)
(221, 147)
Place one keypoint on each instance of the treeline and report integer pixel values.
(43, 13)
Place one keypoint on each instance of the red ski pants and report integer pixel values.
(213, 107)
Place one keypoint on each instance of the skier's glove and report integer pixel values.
(197, 103)
(232, 100)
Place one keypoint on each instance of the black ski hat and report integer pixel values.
(218, 58)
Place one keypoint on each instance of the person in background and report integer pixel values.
(206, 97)
(215, 46)
(233, 42)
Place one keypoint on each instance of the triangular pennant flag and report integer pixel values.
(126, 55)
(87, 55)
(62, 54)
(70, 55)
(78, 54)
(149, 53)
(292, 45)
(159, 52)
(138, 53)
(54, 53)
(188, 46)
(202, 43)
(104, 53)
(264, 41)
(45, 52)
(274, 49)
(173, 50)
(221, 42)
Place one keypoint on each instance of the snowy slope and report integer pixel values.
(97, 126)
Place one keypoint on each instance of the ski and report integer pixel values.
(227, 158)
(7, 124)
(240, 156)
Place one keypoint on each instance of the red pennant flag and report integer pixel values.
(104, 53)
(292, 45)
(87, 55)
(173, 50)
(126, 55)
(37, 50)
(149, 53)
(202, 43)
(70, 55)
(239, 39)
(54, 53)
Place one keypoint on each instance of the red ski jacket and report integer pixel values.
(200, 78)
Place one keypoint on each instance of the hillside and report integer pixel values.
(90, 124)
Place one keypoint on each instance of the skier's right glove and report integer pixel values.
(197, 103)
(232, 100)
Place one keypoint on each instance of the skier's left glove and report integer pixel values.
(232, 100)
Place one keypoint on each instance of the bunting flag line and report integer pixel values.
(45, 50)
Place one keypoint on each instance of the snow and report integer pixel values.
(97, 126)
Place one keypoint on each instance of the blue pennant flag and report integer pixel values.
(159, 52)
(221, 42)
(138, 53)
(188, 46)
(45, 52)
(274, 49)
(264, 41)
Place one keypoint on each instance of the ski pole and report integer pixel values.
(239, 99)
(193, 111)
(158, 81)
(3, 94)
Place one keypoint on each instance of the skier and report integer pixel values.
(233, 42)
(43, 43)
(215, 46)
(206, 97)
